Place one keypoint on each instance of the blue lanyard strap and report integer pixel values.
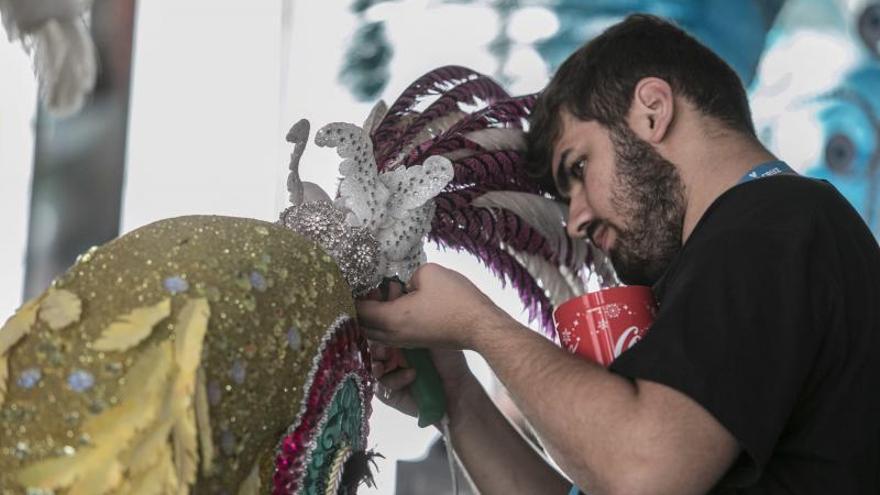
(767, 169)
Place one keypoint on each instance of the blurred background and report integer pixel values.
(193, 100)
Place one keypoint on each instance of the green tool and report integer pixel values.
(427, 389)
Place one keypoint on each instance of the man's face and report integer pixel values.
(623, 195)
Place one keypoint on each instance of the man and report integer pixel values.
(761, 373)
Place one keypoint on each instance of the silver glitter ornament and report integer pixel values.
(354, 249)
(377, 224)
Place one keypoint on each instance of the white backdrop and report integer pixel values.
(216, 86)
(18, 104)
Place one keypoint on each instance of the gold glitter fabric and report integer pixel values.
(172, 359)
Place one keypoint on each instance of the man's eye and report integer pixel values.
(576, 169)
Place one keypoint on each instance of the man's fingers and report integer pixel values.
(374, 314)
(398, 380)
(378, 351)
(395, 290)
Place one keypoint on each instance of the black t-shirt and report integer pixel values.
(770, 319)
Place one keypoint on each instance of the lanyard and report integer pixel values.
(767, 169)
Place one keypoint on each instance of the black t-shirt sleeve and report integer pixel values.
(735, 334)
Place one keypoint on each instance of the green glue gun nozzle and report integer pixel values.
(427, 389)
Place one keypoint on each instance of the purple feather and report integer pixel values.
(494, 170)
(434, 82)
(510, 113)
(469, 92)
(458, 230)
(457, 223)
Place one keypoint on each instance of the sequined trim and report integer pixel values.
(343, 350)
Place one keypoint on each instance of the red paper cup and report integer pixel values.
(601, 325)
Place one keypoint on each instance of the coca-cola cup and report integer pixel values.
(601, 325)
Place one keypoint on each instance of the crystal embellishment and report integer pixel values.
(375, 227)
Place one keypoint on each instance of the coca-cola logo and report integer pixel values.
(627, 339)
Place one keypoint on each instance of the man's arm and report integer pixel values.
(495, 455)
(610, 434)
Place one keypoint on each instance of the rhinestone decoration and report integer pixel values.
(342, 355)
(376, 226)
(355, 250)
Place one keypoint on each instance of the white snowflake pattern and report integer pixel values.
(612, 311)
(569, 341)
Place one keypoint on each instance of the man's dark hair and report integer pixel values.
(598, 81)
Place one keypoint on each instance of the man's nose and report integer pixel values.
(579, 217)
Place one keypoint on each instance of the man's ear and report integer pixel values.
(652, 110)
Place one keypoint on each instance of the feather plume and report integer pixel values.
(298, 135)
(498, 139)
(132, 328)
(510, 114)
(493, 171)
(601, 266)
(55, 34)
(430, 131)
(60, 309)
(402, 112)
(521, 239)
(375, 117)
(557, 287)
(545, 215)
(460, 226)
(444, 112)
(65, 63)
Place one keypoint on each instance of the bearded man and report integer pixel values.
(762, 370)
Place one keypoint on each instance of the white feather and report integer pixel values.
(602, 267)
(56, 36)
(545, 215)
(430, 131)
(298, 135)
(499, 139)
(376, 115)
(556, 287)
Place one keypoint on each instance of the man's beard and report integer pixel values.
(649, 194)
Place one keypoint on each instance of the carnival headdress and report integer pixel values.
(446, 161)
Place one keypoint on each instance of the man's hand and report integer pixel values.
(395, 376)
(443, 309)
